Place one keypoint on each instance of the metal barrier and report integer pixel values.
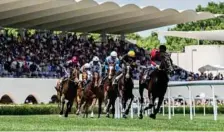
(190, 98)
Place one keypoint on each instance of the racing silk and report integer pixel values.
(166, 62)
(96, 68)
(109, 61)
(128, 60)
(89, 73)
(155, 57)
(73, 61)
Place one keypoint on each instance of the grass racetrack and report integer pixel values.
(55, 123)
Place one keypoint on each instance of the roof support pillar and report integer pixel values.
(104, 37)
(22, 32)
(122, 37)
(84, 36)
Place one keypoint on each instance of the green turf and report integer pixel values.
(53, 122)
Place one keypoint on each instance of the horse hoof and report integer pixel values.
(108, 116)
(126, 112)
(140, 116)
(146, 108)
(150, 106)
(124, 116)
(153, 116)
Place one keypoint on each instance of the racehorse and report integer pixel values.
(92, 92)
(67, 92)
(125, 87)
(157, 86)
(110, 93)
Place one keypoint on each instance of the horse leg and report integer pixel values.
(151, 102)
(153, 116)
(141, 90)
(113, 107)
(68, 103)
(92, 106)
(124, 101)
(63, 104)
(129, 106)
(108, 108)
(81, 103)
(100, 100)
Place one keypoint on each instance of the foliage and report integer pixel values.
(177, 44)
(149, 42)
(53, 109)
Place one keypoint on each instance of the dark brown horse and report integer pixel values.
(156, 87)
(110, 93)
(125, 87)
(92, 93)
(67, 92)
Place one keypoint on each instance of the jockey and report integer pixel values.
(86, 68)
(161, 59)
(154, 62)
(74, 61)
(68, 67)
(112, 59)
(128, 59)
(95, 65)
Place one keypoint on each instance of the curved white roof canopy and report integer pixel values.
(200, 35)
(89, 16)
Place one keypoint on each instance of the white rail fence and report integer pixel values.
(190, 98)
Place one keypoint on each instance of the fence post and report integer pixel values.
(214, 103)
(132, 113)
(169, 103)
(173, 104)
(184, 106)
(204, 105)
(117, 108)
(163, 109)
(194, 106)
(190, 102)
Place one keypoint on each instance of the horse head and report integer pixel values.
(96, 78)
(84, 76)
(75, 75)
(111, 71)
(127, 72)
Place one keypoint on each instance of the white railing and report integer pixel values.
(190, 98)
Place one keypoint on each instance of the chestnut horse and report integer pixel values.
(91, 93)
(110, 93)
(68, 91)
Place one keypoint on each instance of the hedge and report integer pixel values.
(53, 109)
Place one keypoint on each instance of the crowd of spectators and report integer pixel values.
(183, 75)
(42, 55)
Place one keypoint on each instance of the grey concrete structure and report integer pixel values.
(89, 16)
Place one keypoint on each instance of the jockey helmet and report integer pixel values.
(113, 54)
(96, 59)
(131, 53)
(162, 48)
(74, 59)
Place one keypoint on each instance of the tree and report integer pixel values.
(177, 44)
(149, 42)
